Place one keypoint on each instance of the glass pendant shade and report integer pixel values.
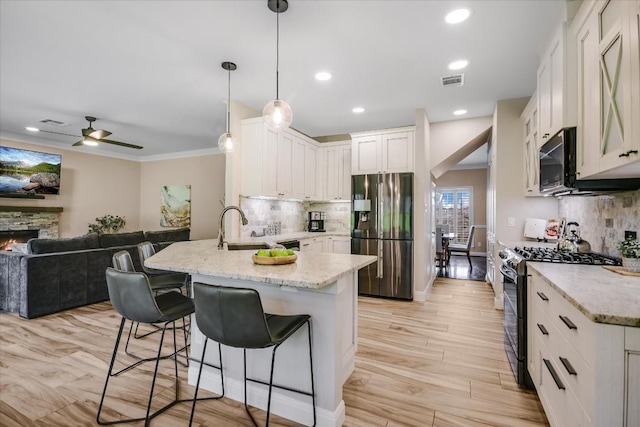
(226, 143)
(277, 114)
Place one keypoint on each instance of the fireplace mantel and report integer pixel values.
(30, 209)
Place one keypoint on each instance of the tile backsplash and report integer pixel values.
(603, 219)
(292, 216)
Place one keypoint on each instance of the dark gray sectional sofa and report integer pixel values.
(58, 274)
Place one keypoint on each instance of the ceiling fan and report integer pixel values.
(91, 136)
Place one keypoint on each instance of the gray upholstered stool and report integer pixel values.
(132, 297)
(235, 317)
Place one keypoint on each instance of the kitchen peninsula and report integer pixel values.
(323, 285)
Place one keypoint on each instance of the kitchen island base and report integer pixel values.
(333, 311)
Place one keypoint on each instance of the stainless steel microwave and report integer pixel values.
(558, 169)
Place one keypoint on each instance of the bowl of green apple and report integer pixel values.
(275, 256)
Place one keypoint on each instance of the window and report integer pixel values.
(454, 207)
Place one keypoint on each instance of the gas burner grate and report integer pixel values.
(562, 257)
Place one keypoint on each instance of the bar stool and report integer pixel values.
(132, 297)
(235, 317)
(160, 277)
(122, 261)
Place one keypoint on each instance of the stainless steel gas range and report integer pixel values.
(514, 272)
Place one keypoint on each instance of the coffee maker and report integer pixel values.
(316, 221)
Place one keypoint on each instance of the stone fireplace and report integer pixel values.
(41, 219)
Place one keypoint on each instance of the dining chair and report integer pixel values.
(464, 248)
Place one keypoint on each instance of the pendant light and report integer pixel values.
(277, 113)
(226, 142)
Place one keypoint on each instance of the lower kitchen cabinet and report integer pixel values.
(632, 369)
(338, 244)
(328, 244)
(314, 244)
(585, 373)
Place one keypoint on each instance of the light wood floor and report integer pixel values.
(438, 363)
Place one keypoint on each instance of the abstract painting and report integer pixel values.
(175, 210)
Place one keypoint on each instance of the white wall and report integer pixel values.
(447, 138)
(423, 248)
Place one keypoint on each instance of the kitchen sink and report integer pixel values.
(246, 246)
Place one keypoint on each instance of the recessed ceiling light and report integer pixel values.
(32, 129)
(457, 16)
(458, 65)
(358, 110)
(323, 75)
(460, 112)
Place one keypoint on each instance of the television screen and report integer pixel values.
(29, 172)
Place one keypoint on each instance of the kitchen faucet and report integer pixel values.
(221, 231)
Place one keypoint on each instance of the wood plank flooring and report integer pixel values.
(440, 363)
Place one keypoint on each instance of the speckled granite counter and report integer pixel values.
(601, 295)
(311, 270)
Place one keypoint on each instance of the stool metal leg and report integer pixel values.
(195, 394)
(149, 416)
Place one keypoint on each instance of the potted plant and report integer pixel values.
(107, 224)
(630, 251)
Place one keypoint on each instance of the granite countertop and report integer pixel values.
(602, 295)
(311, 270)
(300, 235)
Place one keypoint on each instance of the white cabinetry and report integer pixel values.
(577, 365)
(337, 171)
(632, 376)
(314, 244)
(608, 59)
(338, 244)
(531, 148)
(278, 163)
(556, 85)
(385, 151)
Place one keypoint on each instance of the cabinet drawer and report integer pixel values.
(579, 331)
(576, 375)
(559, 401)
(541, 294)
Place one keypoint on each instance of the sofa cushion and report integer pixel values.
(47, 246)
(121, 239)
(173, 235)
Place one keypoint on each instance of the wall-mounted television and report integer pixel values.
(26, 172)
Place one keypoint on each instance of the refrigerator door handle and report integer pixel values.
(380, 258)
(380, 188)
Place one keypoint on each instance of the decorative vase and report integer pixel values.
(631, 264)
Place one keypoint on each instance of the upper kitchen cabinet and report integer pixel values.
(337, 170)
(383, 151)
(277, 163)
(531, 148)
(608, 46)
(556, 85)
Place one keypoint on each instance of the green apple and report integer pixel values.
(279, 252)
(290, 252)
(263, 252)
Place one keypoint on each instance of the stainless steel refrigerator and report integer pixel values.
(382, 225)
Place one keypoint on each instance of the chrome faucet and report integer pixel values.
(221, 231)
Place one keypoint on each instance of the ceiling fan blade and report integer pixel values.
(99, 134)
(57, 133)
(122, 144)
(78, 143)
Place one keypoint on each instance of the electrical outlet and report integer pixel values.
(630, 235)
(511, 221)
(479, 244)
